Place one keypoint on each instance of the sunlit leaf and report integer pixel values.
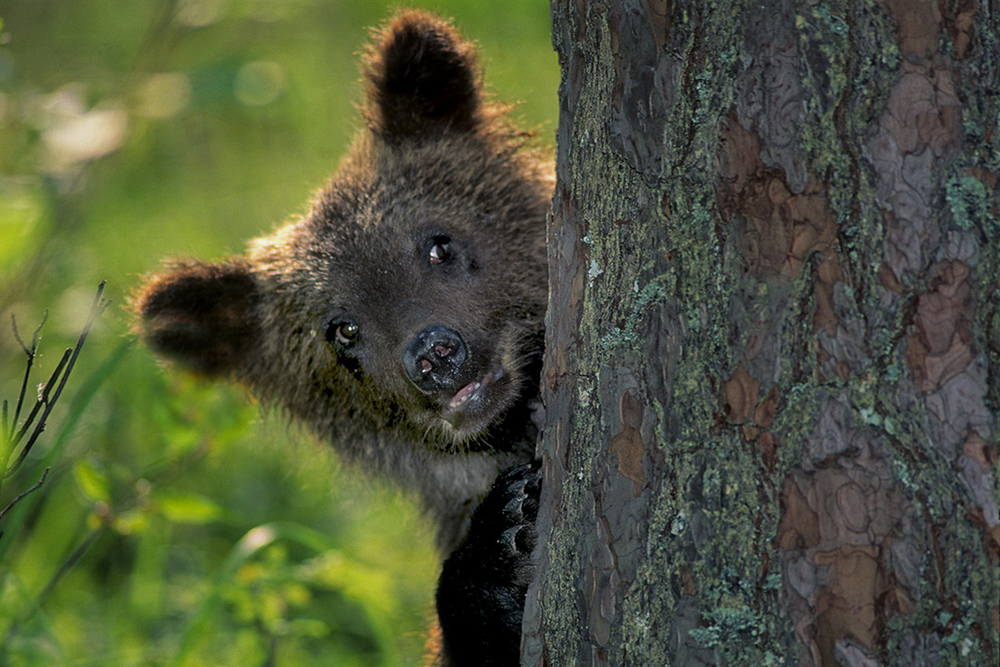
(91, 482)
(188, 508)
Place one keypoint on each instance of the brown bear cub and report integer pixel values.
(401, 318)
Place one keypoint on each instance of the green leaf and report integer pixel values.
(188, 508)
(92, 482)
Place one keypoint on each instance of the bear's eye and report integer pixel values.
(441, 250)
(343, 333)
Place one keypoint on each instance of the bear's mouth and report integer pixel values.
(471, 399)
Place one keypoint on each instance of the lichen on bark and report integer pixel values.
(773, 337)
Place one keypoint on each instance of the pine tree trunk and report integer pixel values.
(774, 340)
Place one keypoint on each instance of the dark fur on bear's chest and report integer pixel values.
(402, 316)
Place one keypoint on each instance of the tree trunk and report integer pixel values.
(774, 337)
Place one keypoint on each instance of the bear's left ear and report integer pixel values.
(422, 80)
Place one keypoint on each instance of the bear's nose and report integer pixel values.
(434, 357)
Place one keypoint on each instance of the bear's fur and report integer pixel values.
(401, 317)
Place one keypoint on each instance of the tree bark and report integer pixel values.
(773, 359)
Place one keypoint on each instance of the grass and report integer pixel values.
(179, 524)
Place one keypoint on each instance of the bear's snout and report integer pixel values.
(433, 359)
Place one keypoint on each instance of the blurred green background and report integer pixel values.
(179, 525)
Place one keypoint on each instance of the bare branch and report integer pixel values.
(49, 398)
(31, 352)
(43, 400)
(21, 496)
(17, 334)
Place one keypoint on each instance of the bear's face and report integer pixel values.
(411, 284)
(410, 297)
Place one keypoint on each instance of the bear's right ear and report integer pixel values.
(200, 315)
(421, 79)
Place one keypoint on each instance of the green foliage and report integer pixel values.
(178, 525)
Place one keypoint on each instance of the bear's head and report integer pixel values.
(409, 299)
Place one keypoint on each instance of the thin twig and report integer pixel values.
(31, 354)
(43, 399)
(68, 360)
(24, 494)
(17, 333)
